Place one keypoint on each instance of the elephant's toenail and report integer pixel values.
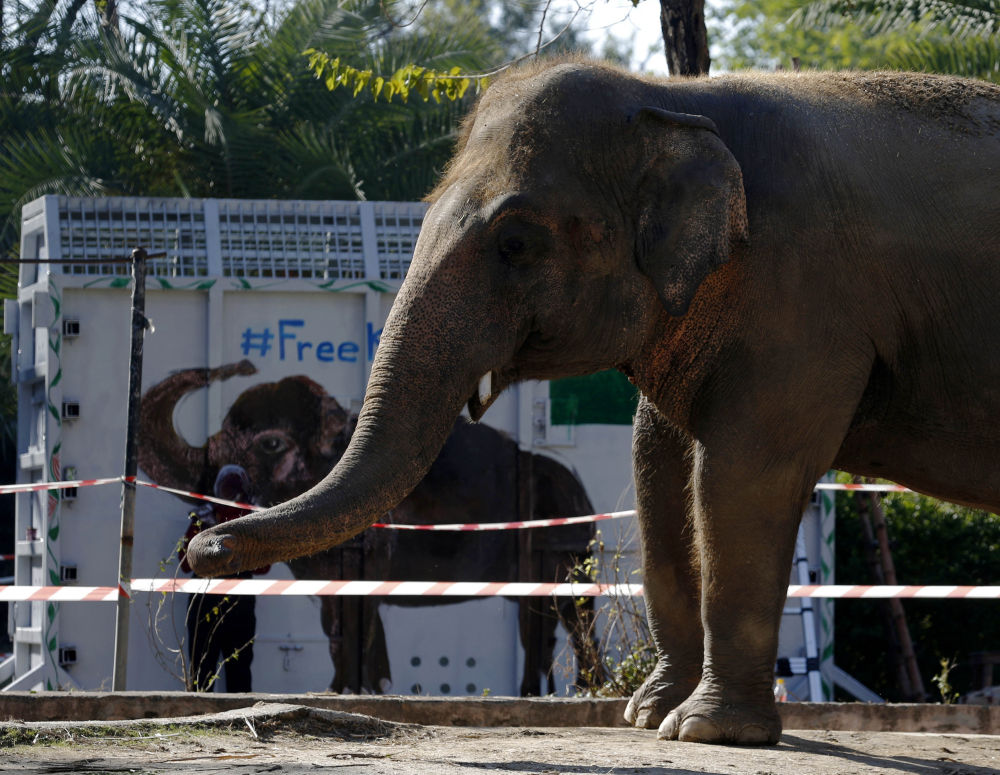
(756, 734)
(699, 729)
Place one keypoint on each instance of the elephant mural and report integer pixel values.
(799, 271)
(287, 435)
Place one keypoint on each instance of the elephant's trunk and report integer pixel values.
(163, 453)
(427, 367)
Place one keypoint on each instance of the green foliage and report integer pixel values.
(507, 32)
(943, 683)
(409, 79)
(946, 36)
(960, 19)
(624, 644)
(932, 543)
(215, 98)
(761, 34)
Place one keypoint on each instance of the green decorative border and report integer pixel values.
(54, 497)
(828, 535)
(333, 286)
(243, 284)
(118, 281)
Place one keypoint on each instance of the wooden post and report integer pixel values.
(893, 651)
(917, 690)
(883, 569)
(128, 486)
(529, 609)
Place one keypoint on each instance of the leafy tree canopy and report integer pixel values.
(932, 543)
(516, 30)
(961, 37)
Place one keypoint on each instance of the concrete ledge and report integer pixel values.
(482, 711)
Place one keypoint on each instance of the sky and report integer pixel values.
(617, 18)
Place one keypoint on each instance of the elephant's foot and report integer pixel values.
(662, 691)
(711, 715)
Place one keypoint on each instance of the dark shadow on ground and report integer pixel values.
(837, 750)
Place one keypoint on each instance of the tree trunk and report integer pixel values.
(107, 12)
(685, 37)
(902, 655)
(893, 650)
(918, 693)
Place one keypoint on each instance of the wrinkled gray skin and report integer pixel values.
(814, 285)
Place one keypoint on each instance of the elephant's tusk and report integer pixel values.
(485, 388)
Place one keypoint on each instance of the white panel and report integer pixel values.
(460, 650)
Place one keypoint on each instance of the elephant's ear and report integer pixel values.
(691, 208)
(331, 438)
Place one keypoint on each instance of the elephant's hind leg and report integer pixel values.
(670, 572)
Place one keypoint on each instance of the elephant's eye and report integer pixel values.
(520, 239)
(511, 247)
(272, 444)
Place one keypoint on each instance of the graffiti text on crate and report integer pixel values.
(288, 342)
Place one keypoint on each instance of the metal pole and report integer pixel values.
(808, 621)
(128, 486)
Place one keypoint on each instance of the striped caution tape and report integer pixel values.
(861, 487)
(265, 587)
(951, 592)
(39, 486)
(458, 526)
(59, 594)
(384, 588)
(199, 496)
(475, 526)
(6, 489)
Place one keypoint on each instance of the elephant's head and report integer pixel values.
(577, 220)
(278, 439)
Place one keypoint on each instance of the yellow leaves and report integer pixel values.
(412, 79)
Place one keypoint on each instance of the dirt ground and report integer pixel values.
(293, 740)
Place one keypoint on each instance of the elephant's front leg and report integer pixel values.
(746, 519)
(670, 572)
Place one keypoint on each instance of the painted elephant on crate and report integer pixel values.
(799, 271)
(286, 436)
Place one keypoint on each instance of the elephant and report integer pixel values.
(283, 437)
(798, 271)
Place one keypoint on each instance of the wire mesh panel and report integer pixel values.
(246, 238)
(93, 229)
(270, 238)
(397, 225)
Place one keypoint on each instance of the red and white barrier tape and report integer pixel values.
(199, 496)
(14, 488)
(383, 588)
(458, 526)
(457, 589)
(474, 526)
(870, 591)
(858, 487)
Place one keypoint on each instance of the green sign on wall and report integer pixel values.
(605, 398)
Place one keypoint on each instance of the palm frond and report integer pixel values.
(971, 57)
(960, 19)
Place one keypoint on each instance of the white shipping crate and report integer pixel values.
(298, 289)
